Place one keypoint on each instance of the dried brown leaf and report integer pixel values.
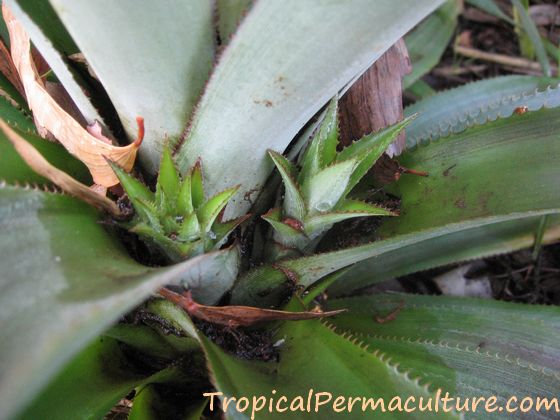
(68, 184)
(237, 316)
(51, 117)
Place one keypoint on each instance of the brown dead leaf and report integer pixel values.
(51, 117)
(68, 184)
(237, 316)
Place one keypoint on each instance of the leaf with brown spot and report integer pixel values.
(237, 316)
(68, 184)
(52, 118)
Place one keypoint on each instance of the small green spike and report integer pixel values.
(147, 213)
(190, 229)
(166, 244)
(369, 149)
(209, 211)
(197, 187)
(363, 207)
(133, 188)
(288, 235)
(329, 129)
(326, 188)
(294, 206)
(223, 229)
(168, 178)
(176, 218)
(322, 148)
(184, 199)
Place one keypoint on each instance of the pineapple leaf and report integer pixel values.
(230, 14)
(288, 235)
(209, 211)
(54, 52)
(85, 280)
(97, 392)
(476, 103)
(197, 185)
(184, 199)
(14, 169)
(468, 199)
(223, 229)
(534, 36)
(168, 179)
(449, 248)
(428, 41)
(139, 67)
(321, 151)
(190, 229)
(369, 149)
(270, 98)
(348, 210)
(135, 189)
(294, 206)
(353, 369)
(363, 207)
(329, 186)
(465, 346)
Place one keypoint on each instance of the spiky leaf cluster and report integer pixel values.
(178, 218)
(315, 196)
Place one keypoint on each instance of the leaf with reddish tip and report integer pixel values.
(288, 234)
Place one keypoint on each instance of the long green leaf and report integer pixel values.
(255, 101)
(15, 116)
(96, 380)
(470, 186)
(448, 248)
(533, 34)
(308, 347)
(476, 103)
(64, 279)
(152, 60)
(489, 6)
(294, 206)
(465, 346)
(427, 43)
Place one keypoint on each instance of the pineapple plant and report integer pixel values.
(208, 270)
